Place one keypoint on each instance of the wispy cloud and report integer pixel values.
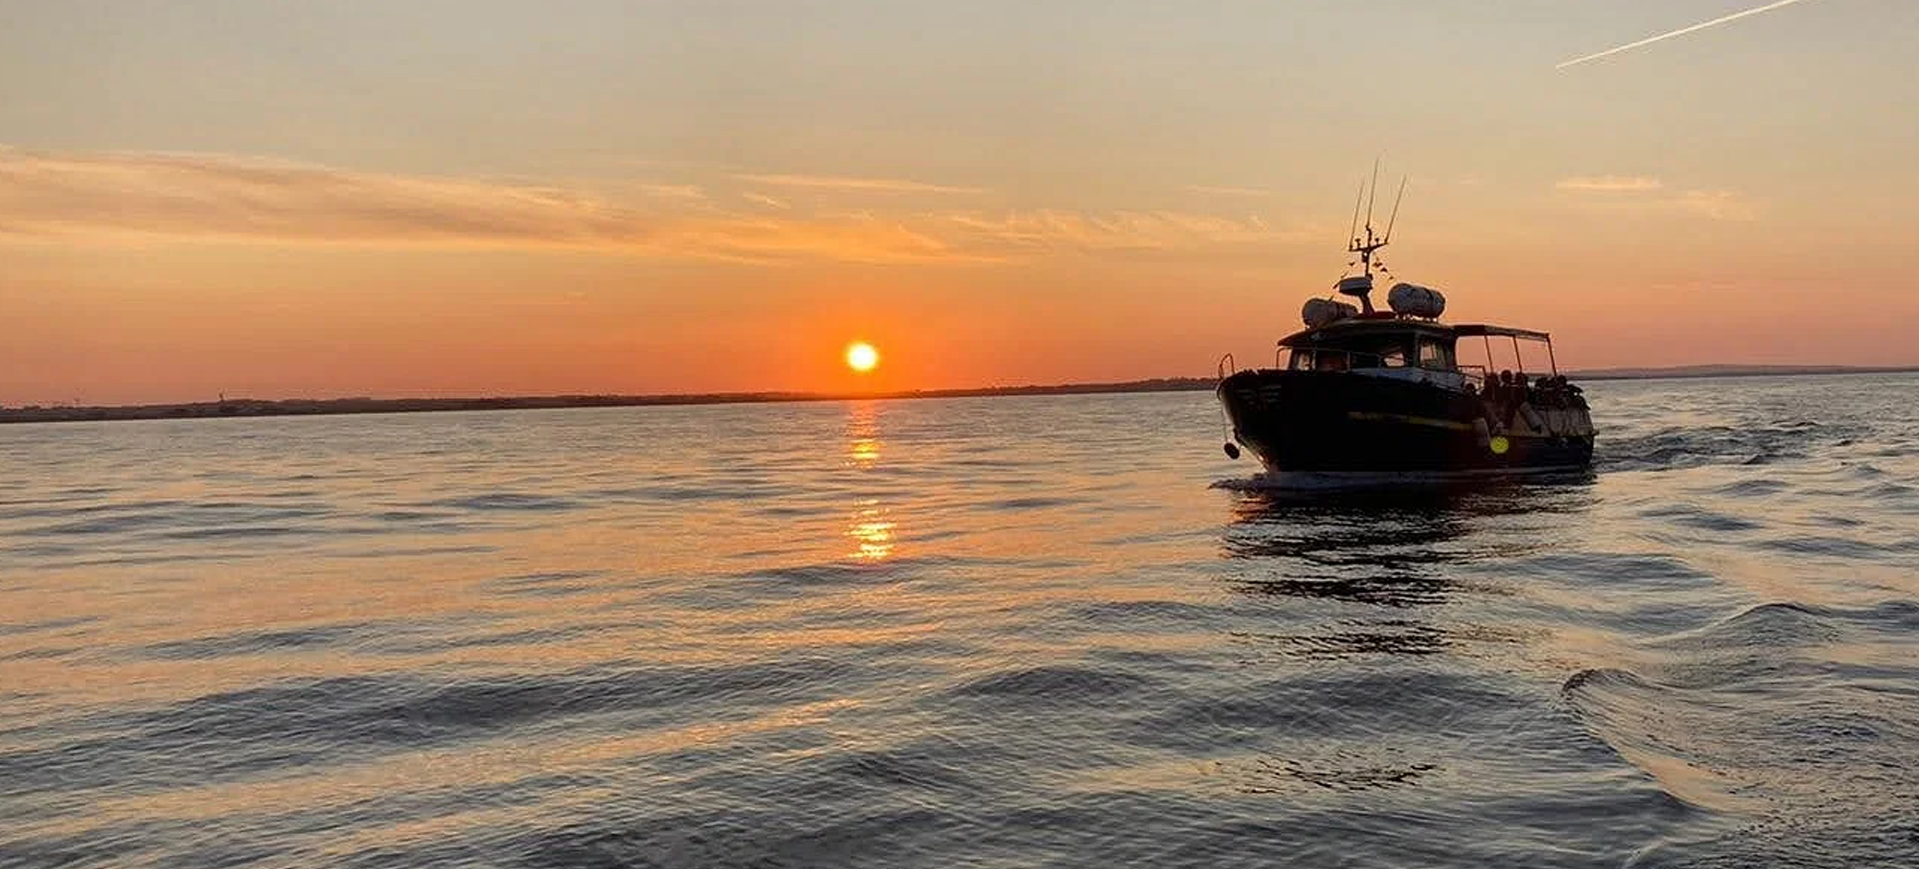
(766, 201)
(1643, 194)
(1717, 205)
(115, 198)
(870, 185)
(1208, 190)
(220, 195)
(682, 192)
(1723, 19)
(1610, 184)
(1052, 230)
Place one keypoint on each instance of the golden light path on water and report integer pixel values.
(872, 530)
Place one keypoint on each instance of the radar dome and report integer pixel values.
(1357, 285)
(1413, 300)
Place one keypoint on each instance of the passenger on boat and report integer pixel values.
(1575, 397)
(1489, 400)
(1511, 396)
(1546, 392)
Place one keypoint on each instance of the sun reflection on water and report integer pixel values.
(862, 434)
(871, 528)
(872, 532)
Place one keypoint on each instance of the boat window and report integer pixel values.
(1331, 361)
(1435, 354)
(1393, 357)
(1302, 360)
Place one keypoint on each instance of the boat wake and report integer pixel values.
(1361, 481)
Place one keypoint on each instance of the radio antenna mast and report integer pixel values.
(1371, 243)
(1353, 233)
(1371, 196)
(1396, 200)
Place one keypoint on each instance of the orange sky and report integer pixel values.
(278, 200)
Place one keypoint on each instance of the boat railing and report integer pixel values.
(1226, 366)
(1477, 375)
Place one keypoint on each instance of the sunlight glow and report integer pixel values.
(862, 357)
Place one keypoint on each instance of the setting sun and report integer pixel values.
(862, 357)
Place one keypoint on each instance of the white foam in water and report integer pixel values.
(1333, 481)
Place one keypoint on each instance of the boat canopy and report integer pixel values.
(1473, 330)
(1365, 328)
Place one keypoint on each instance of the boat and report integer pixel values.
(1379, 396)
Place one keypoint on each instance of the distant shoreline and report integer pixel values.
(1697, 371)
(247, 407)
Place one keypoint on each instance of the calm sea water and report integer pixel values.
(999, 632)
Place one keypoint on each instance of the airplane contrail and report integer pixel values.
(1680, 32)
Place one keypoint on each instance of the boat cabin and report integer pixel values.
(1370, 343)
(1383, 345)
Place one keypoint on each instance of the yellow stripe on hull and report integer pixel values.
(1369, 416)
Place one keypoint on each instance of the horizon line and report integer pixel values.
(364, 404)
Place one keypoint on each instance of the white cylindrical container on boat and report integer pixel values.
(1533, 419)
(1414, 300)
(1319, 312)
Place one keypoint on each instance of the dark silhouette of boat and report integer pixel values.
(1364, 395)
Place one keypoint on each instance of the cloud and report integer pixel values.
(117, 198)
(1052, 230)
(1223, 191)
(863, 241)
(1717, 205)
(1610, 184)
(1642, 194)
(870, 185)
(682, 192)
(107, 198)
(767, 201)
(236, 197)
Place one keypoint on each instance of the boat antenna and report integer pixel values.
(1353, 233)
(1372, 242)
(1371, 196)
(1362, 286)
(1396, 200)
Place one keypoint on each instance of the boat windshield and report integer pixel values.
(1381, 351)
(1436, 354)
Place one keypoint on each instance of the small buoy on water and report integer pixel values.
(1232, 451)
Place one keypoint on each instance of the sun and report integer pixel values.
(862, 357)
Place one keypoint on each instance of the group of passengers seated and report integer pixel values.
(1554, 392)
(1505, 393)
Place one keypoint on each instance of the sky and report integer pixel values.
(468, 197)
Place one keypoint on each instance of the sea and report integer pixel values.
(1058, 631)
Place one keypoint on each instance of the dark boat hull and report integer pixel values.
(1324, 422)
